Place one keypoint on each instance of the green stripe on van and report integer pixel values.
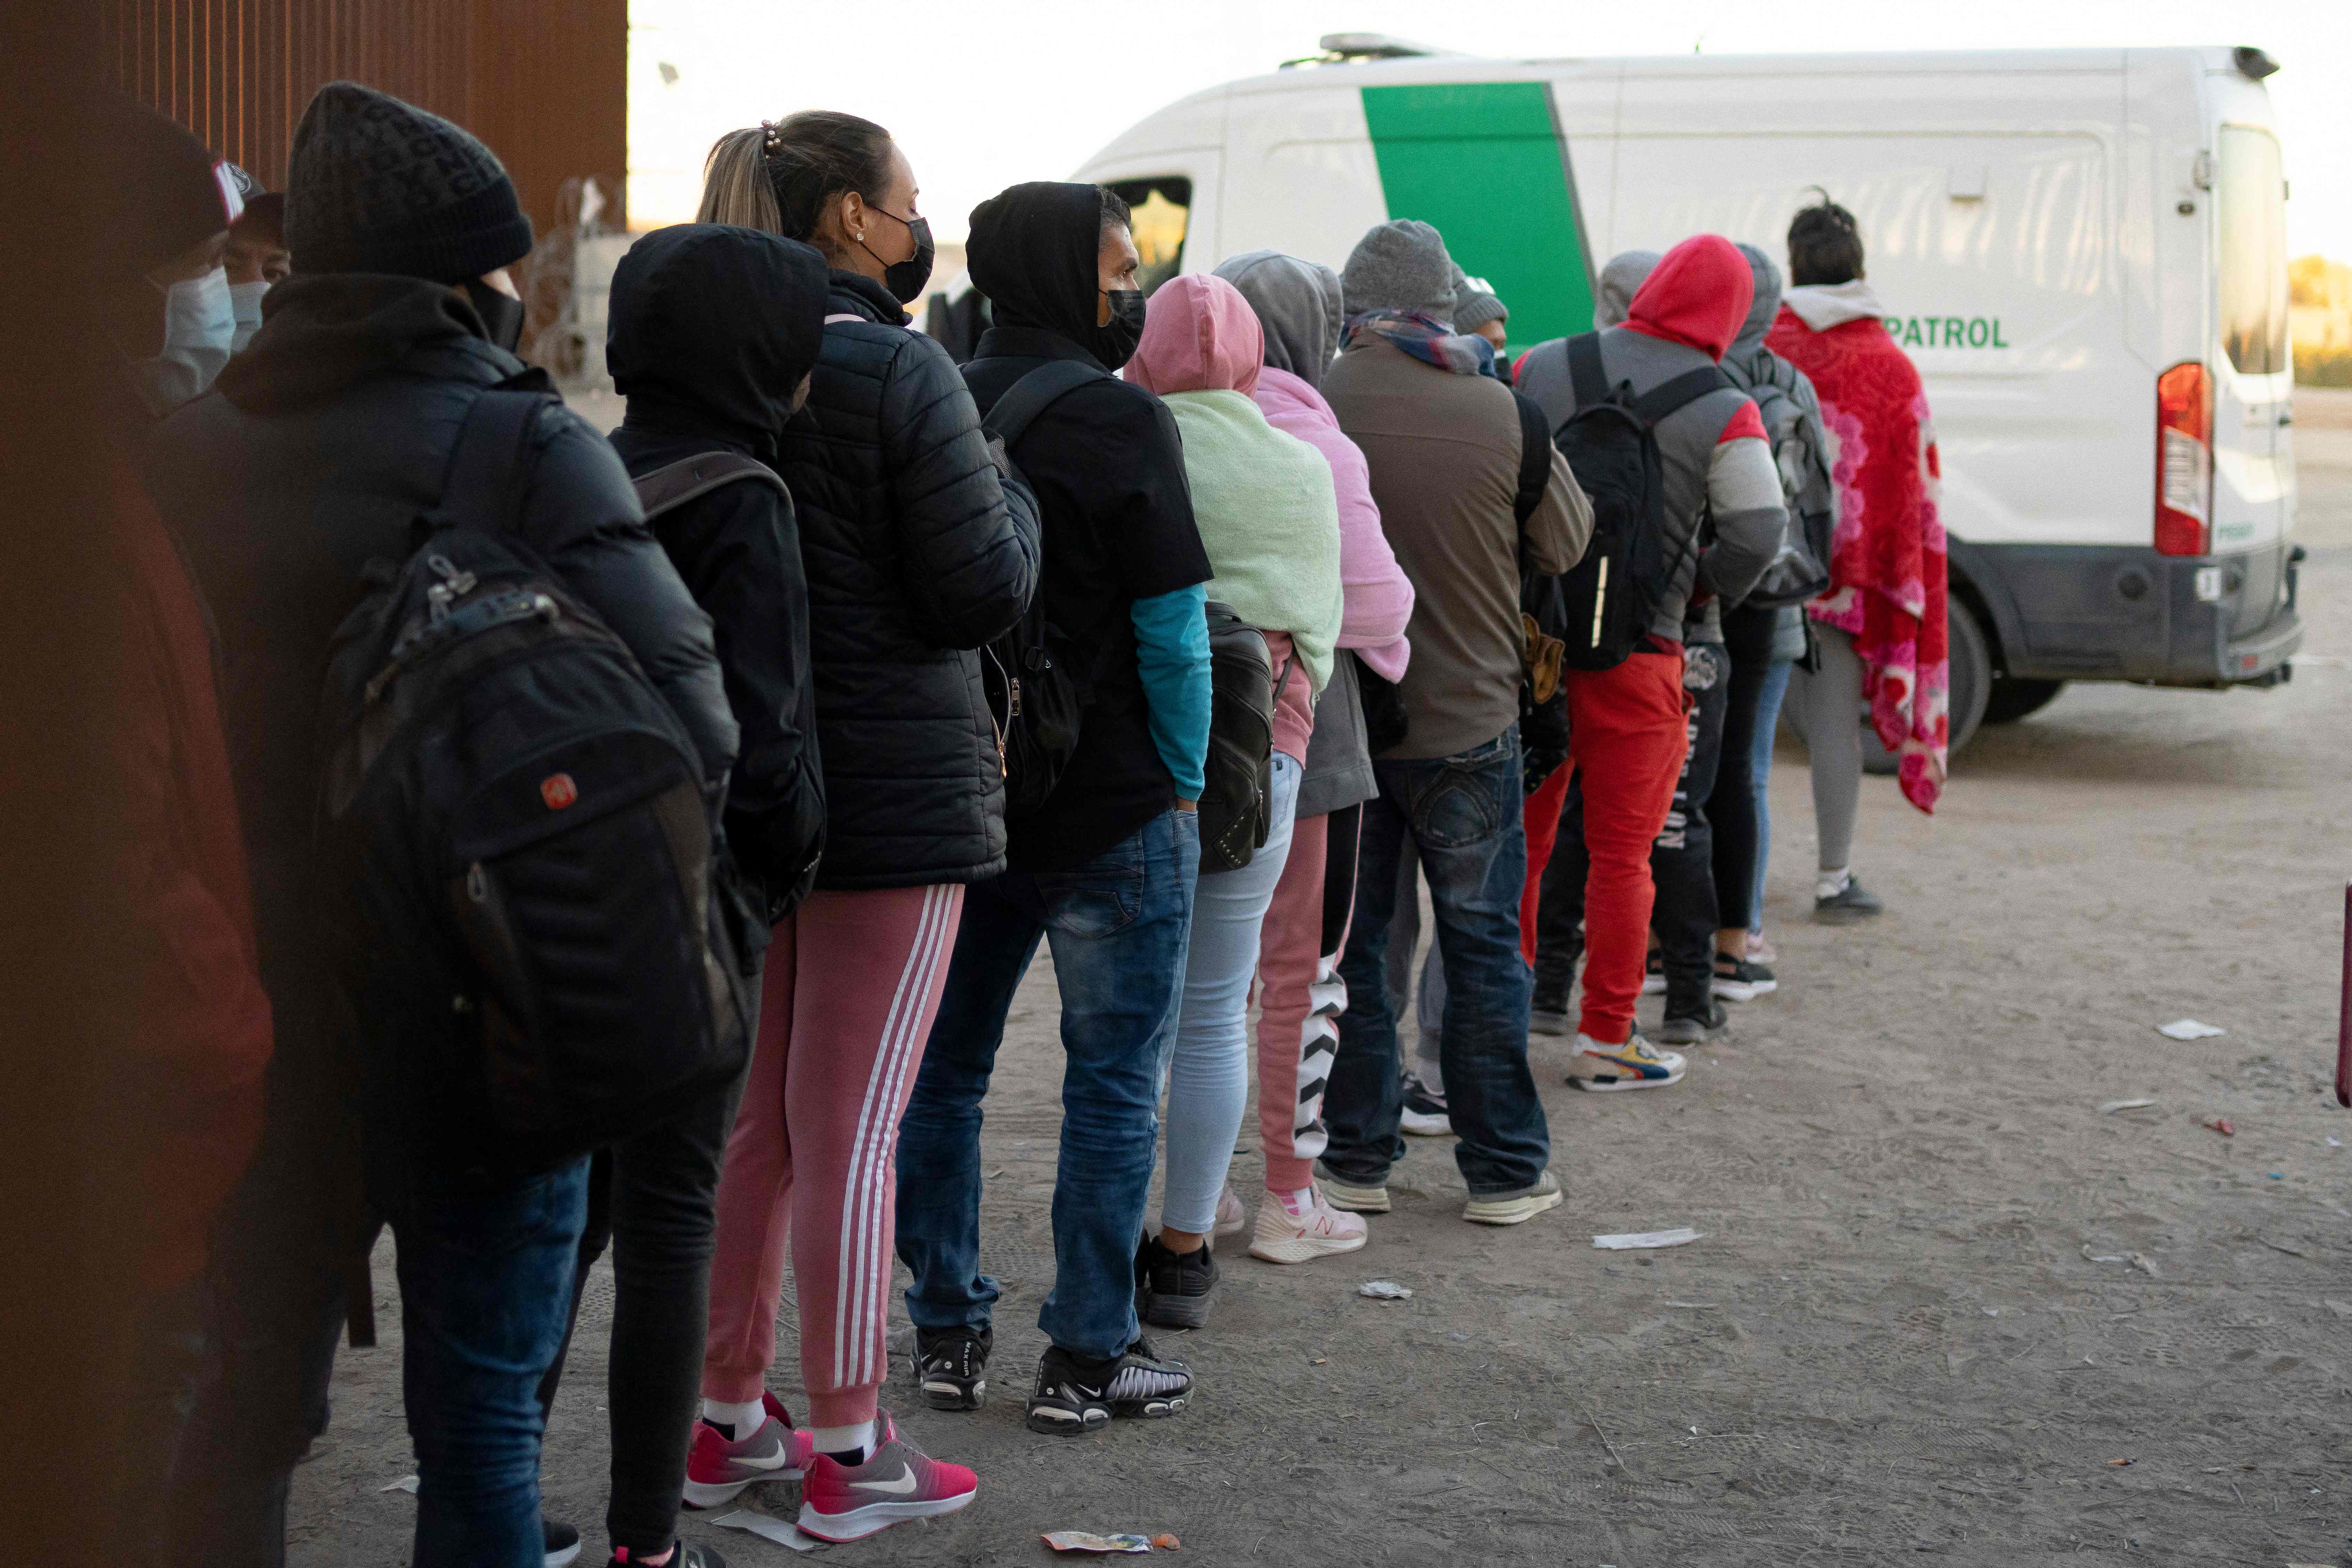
(1486, 164)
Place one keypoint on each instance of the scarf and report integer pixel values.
(1426, 339)
(1887, 568)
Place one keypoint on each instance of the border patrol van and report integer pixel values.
(2084, 251)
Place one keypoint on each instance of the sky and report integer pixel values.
(983, 93)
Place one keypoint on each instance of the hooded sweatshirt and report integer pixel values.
(1264, 501)
(1784, 400)
(712, 329)
(1124, 572)
(1718, 464)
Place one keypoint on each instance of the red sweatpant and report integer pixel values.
(1541, 817)
(852, 984)
(1626, 735)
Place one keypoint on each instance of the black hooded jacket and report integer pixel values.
(918, 550)
(317, 448)
(712, 329)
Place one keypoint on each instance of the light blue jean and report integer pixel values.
(1768, 725)
(1208, 1064)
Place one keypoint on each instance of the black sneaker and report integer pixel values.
(1074, 1396)
(1847, 905)
(1424, 1114)
(1172, 1288)
(1653, 973)
(1689, 1029)
(951, 1367)
(563, 1542)
(688, 1555)
(1741, 979)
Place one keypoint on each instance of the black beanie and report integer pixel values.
(378, 185)
(178, 198)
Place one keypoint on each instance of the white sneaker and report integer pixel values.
(1637, 1064)
(1232, 1220)
(1321, 1232)
(1424, 1114)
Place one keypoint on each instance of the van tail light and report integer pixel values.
(2184, 461)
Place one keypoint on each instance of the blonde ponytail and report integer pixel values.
(735, 185)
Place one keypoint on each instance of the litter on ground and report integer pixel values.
(767, 1527)
(2188, 1029)
(1638, 1240)
(2113, 1106)
(1084, 1541)
(2219, 1124)
(406, 1484)
(1384, 1290)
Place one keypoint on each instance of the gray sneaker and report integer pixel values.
(1514, 1209)
(1349, 1197)
(1696, 1029)
(1549, 1021)
(1847, 905)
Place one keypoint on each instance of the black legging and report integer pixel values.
(1747, 638)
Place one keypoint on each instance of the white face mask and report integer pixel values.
(199, 332)
(245, 299)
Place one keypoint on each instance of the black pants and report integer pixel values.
(1731, 808)
(655, 1197)
(1681, 869)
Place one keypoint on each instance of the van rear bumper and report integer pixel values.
(2096, 612)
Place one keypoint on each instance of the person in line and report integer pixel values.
(1880, 630)
(1763, 643)
(1478, 313)
(172, 321)
(1442, 441)
(1299, 311)
(1629, 733)
(1269, 518)
(1559, 917)
(255, 261)
(325, 437)
(713, 333)
(1104, 869)
(920, 550)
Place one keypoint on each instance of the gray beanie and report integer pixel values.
(1474, 304)
(1400, 266)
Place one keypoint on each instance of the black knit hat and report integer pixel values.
(379, 185)
(178, 199)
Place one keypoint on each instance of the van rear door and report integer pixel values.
(2252, 459)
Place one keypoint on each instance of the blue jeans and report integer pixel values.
(1768, 725)
(1462, 815)
(484, 1293)
(1208, 1071)
(1119, 926)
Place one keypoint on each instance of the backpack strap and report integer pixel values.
(1586, 379)
(486, 465)
(1010, 417)
(1687, 388)
(673, 485)
(1535, 457)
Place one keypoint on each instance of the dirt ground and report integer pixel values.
(1908, 1329)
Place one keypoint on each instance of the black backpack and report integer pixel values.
(1610, 597)
(515, 825)
(1237, 798)
(1028, 673)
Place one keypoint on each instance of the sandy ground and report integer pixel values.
(1905, 1330)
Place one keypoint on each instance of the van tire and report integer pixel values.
(1970, 686)
(2015, 696)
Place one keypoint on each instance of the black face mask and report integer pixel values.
(503, 314)
(905, 279)
(1113, 345)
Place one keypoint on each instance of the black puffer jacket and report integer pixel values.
(322, 443)
(919, 550)
(712, 330)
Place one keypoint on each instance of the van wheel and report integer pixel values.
(1970, 686)
(2015, 696)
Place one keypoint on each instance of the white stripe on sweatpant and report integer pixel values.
(868, 1313)
(898, 1040)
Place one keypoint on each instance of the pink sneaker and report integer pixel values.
(717, 1468)
(898, 1481)
(1759, 951)
(1319, 1232)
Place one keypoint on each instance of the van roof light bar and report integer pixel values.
(2252, 63)
(1344, 49)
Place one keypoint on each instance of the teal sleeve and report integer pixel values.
(1171, 652)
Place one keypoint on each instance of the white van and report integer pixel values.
(2084, 251)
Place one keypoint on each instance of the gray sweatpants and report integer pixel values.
(1833, 707)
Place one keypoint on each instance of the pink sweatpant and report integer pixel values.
(853, 982)
(1299, 997)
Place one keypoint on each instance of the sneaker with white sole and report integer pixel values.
(896, 1482)
(1424, 1114)
(1231, 1219)
(1514, 1209)
(1653, 973)
(1742, 979)
(561, 1542)
(1694, 1026)
(951, 1366)
(1760, 951)
(1637, 1064)
(718, 1467)
(1074, 1396)
(1349, 1197)
(1842, 901)
(1321, 1231)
